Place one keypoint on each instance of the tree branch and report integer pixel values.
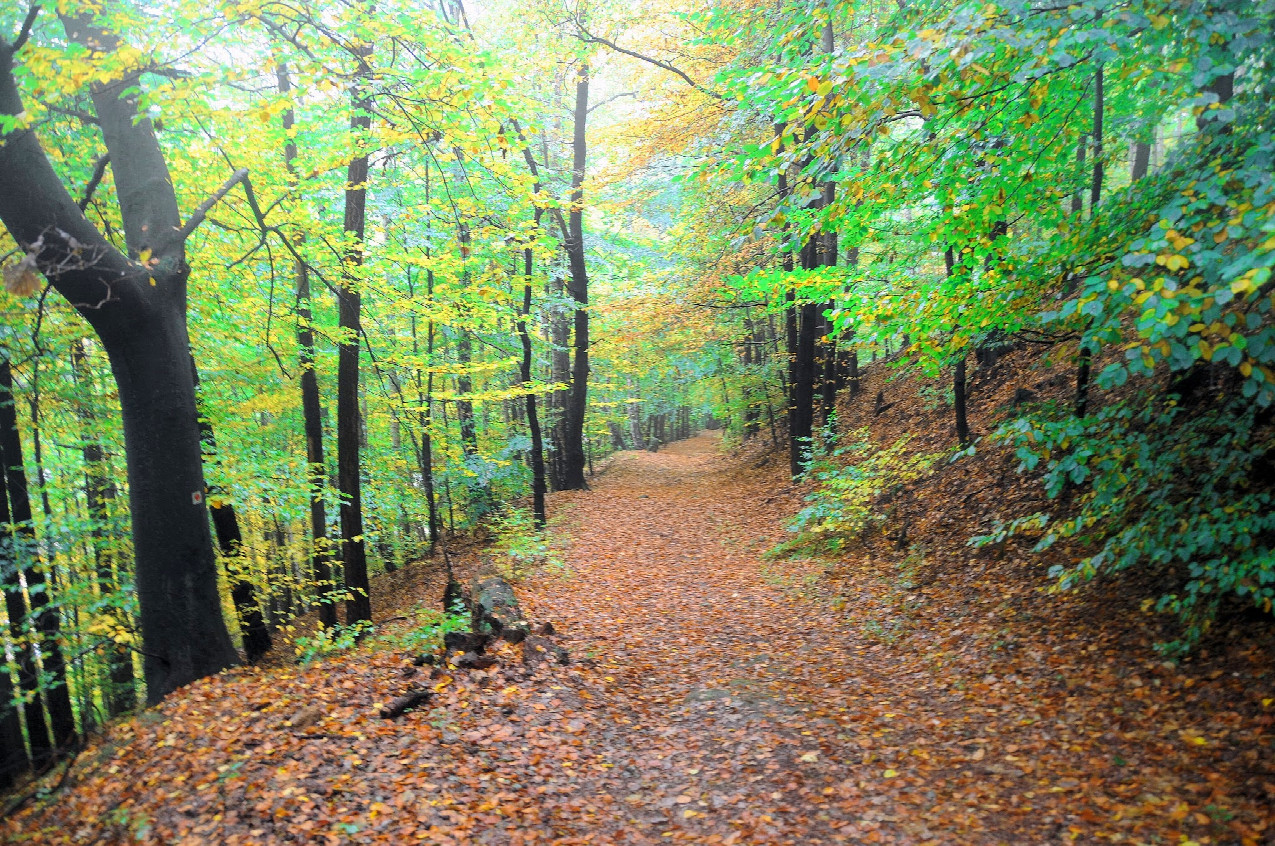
(610, 99)
(25, 32)
(99, 171)
(200, 213)
(589, 38)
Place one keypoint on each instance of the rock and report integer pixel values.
(422, 660)
(1022, 395)
(466, 642)
(547, 629)
(304, 718)
(474, 661)
(536, 650)
(496, 608)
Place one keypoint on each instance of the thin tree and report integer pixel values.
(358, 603)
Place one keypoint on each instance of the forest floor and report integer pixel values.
(713, 696)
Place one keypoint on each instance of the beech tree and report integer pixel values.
(135, 300)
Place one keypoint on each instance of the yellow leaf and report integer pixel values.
(891, 773)
(144, 256)
(810, 757)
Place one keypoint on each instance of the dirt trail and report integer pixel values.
(739, 711)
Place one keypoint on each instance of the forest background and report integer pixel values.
(351, 279)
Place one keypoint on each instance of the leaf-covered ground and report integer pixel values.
(713, 697)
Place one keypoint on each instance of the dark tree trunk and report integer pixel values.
(425, 396)
(46, 620)
(573, 456)
(464, 356)
(183, 633)
(559, 374)
(138, 309)
(252, 624)
(358, 603)
(316, 463)
(1141, 161)
(13, 752)
(958, 370)
(538, 485)
(311, 409)
(15, 602)
(804, 370)
(958, 400)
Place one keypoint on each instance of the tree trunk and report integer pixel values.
(252, 624)
(47, 621)
(311, 409)
(573, 456)
(358, 602)
(119, 682)
(958, 400)
(538, 485)
(13, 751)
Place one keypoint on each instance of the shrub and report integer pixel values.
(845, 503)
(1184, 493)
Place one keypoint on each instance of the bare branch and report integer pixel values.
(200, 213)
(83, 117)
(610, 99)
(589, 38)
(25, 32)
(99, 171)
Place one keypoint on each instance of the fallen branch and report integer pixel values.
(405, 703)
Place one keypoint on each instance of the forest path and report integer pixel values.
(739, 708)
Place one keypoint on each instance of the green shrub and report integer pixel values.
(1186, 494)
(520, 547)
(330, 641)
(845, 503)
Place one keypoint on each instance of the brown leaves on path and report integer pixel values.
(712, 698)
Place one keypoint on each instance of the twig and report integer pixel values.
(589, 111)
(200, 213)
(589, 38)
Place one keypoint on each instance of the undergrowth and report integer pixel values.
(521, 548)
(853, 481)
(1155, 486)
